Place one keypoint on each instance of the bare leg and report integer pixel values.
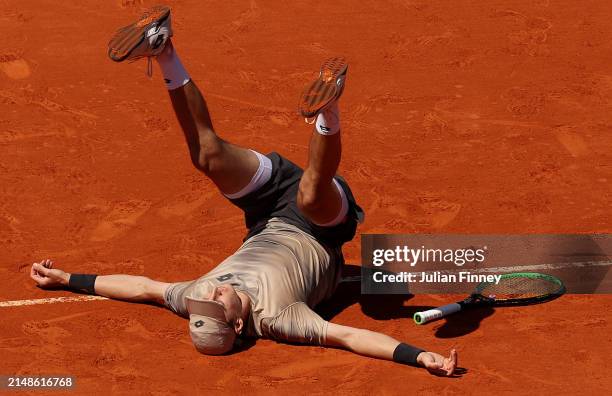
(230, 167)
(318, 197)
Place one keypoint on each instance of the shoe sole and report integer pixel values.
(324, 89)
(129, 37)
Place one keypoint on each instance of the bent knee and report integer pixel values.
(315, 199)
(206, 155)
(323, 206)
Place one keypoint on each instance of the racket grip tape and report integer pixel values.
(436, 313)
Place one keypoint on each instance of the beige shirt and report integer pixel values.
(285, 272)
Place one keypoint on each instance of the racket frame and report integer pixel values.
(477, 299)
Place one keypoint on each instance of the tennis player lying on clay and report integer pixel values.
(297, 222)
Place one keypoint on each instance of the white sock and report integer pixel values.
(173, 70)
(328, 121)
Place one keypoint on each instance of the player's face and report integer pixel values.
(226, 295)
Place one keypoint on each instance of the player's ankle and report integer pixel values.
(328, 121)
(175, 74)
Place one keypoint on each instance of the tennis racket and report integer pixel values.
(520, 288)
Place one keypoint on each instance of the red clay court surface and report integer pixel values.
(462, 117)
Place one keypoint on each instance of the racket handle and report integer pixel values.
(436, 313)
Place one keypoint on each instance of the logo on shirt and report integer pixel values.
(199, 323)
(225, 277)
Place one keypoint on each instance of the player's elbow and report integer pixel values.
(342, 336)
(359, 340)
(140, 288)
(154, 290)
(355, 338)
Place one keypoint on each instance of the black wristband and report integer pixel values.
(83, 283)
(406, 354)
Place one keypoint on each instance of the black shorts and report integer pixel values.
(278, 198)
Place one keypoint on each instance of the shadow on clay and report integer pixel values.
(396, 306)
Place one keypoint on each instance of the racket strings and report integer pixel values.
(520, 288)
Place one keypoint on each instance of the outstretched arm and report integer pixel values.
(381, 346)
(120, 287)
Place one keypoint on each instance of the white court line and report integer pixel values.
(53, 300)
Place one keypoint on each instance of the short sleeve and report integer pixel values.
(174, 298)
(297, 324)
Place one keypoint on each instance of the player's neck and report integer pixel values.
(246, 305)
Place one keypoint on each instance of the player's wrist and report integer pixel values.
(420, 357)
(65, 279)
(84, 283)
(408, 354)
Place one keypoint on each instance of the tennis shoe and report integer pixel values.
(326, 89)
(146, 37)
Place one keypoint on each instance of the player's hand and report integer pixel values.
(48, 277)
(438, 364)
